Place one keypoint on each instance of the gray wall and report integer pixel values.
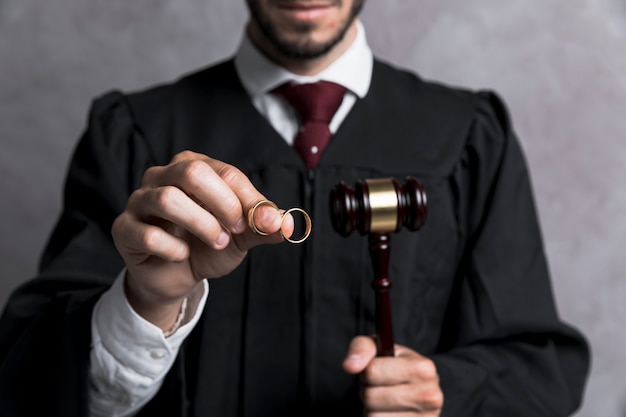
(559, 64)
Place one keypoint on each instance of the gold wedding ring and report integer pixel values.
(307, 230)
(258, 231)
(251, 216)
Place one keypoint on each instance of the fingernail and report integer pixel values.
(222, 240)
(240, 226)
(354, 358)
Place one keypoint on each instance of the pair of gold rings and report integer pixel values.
(256, 230)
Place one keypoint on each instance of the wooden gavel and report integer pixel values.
(377, 207)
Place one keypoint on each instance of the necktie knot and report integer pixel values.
(315, 105)
(313, 101)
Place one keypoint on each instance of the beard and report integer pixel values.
(302, 47)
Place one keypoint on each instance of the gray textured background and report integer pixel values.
(559, 64)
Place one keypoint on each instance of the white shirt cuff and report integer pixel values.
(130, 356)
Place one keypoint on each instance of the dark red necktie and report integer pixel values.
(315, 104)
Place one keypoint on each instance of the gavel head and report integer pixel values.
(378, 206)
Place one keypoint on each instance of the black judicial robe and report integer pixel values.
(470, 289)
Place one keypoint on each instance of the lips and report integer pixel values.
(305, 10)
(306, 4)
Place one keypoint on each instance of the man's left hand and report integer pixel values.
(406, 384)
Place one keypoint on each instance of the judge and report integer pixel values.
(156, 297)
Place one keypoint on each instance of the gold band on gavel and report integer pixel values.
(258, 231)
(383, 204)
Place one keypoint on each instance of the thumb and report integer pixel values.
(361, 351)
(267, 224)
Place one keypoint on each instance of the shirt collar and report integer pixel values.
(353, 69)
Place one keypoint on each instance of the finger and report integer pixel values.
(361, 351)
(408, 367)
(200, 180)
(265, 218)
(137, 241)
(403, 398)
(287, 224)
(268, 223)
(173, 205)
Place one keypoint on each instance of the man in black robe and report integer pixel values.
(122, 323)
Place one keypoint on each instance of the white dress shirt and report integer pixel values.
(130, 356)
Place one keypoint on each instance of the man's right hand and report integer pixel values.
(187, 222)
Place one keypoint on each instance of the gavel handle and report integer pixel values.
(384, 330)
(379, 251)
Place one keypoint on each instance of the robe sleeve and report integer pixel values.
(504, 350)
(45, 328)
